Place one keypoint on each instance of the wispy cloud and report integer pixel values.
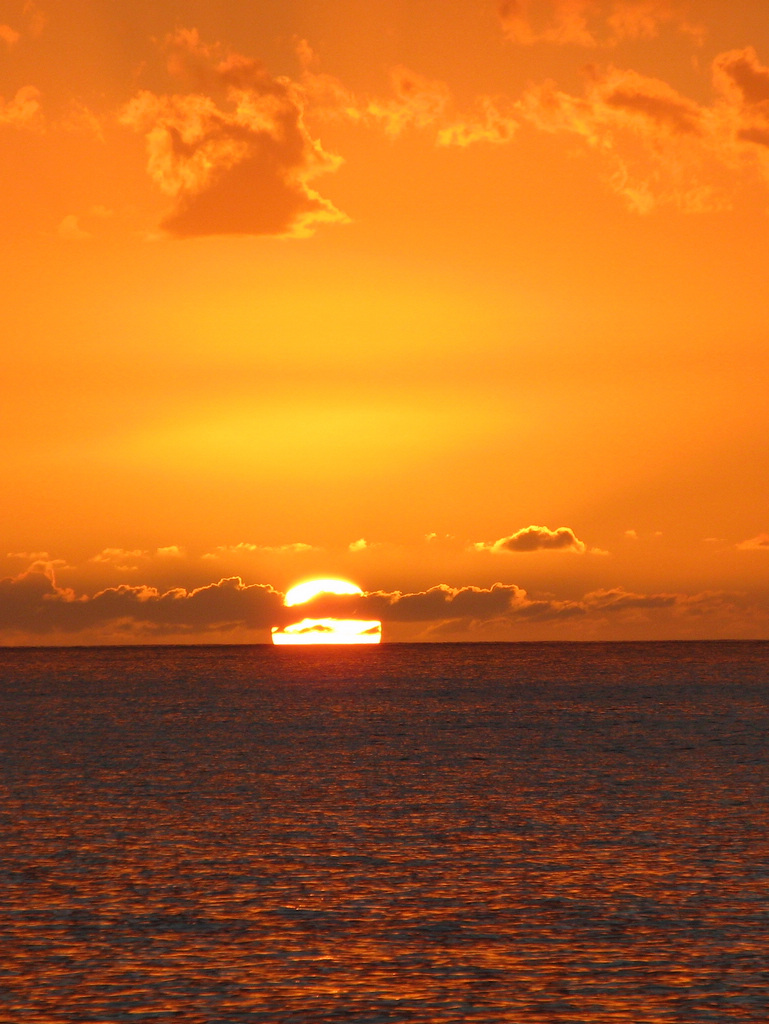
(757, 543)
(24, 110)
(592, 23)
(70, 229)
(9, 36)
(244, 548)
(119, 558)
(418, 102)
(29, 18)
(234, 155)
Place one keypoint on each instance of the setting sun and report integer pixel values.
(304, 592)
(325, 630)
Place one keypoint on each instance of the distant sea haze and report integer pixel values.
(396, 833)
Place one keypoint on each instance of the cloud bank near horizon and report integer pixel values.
(34, 608)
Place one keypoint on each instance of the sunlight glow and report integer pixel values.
(329, 631)
(312, 588)
(325, 630)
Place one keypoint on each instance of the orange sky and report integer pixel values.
(422, 295)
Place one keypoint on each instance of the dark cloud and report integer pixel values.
(33, 607)
(741, 70)
(618, 599)
(672, 112)
(437, 603)
(443, 602)
(536, 538)
(744, 82)
(34, 602)
(758, 135)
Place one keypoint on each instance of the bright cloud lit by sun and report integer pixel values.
(325, 630)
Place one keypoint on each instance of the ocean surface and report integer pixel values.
(452, 832)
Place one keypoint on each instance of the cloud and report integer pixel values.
(444, 602)
(758, 543)
(435, 604)
(78, 227)
(123, 559)
(171, 551)
(740, 74)
(34, 603)
(618, 602)
(70, 230)
(650, 99)
(660, 147)
(245, 548)
(618, 599)
(235, 151)
(34, 22)
(591, 23)
(504, 605)
(418, 102)
(24, 110)
(427, 104)
(743, 82)
(34, 607)
(363, 545)
(297, 547)
(239, 163)
(614, 99)
(35, 18)
(536, 538)
(9, 36)
(120, 558)
(78, 119)
(494, 121)
(565, 21)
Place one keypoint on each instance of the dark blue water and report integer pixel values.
(486, 833)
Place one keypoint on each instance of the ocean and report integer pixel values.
(446, 832)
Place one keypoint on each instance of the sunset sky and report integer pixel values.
(467, 303)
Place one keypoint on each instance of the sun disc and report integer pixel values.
(304, 592)
(326, 630)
